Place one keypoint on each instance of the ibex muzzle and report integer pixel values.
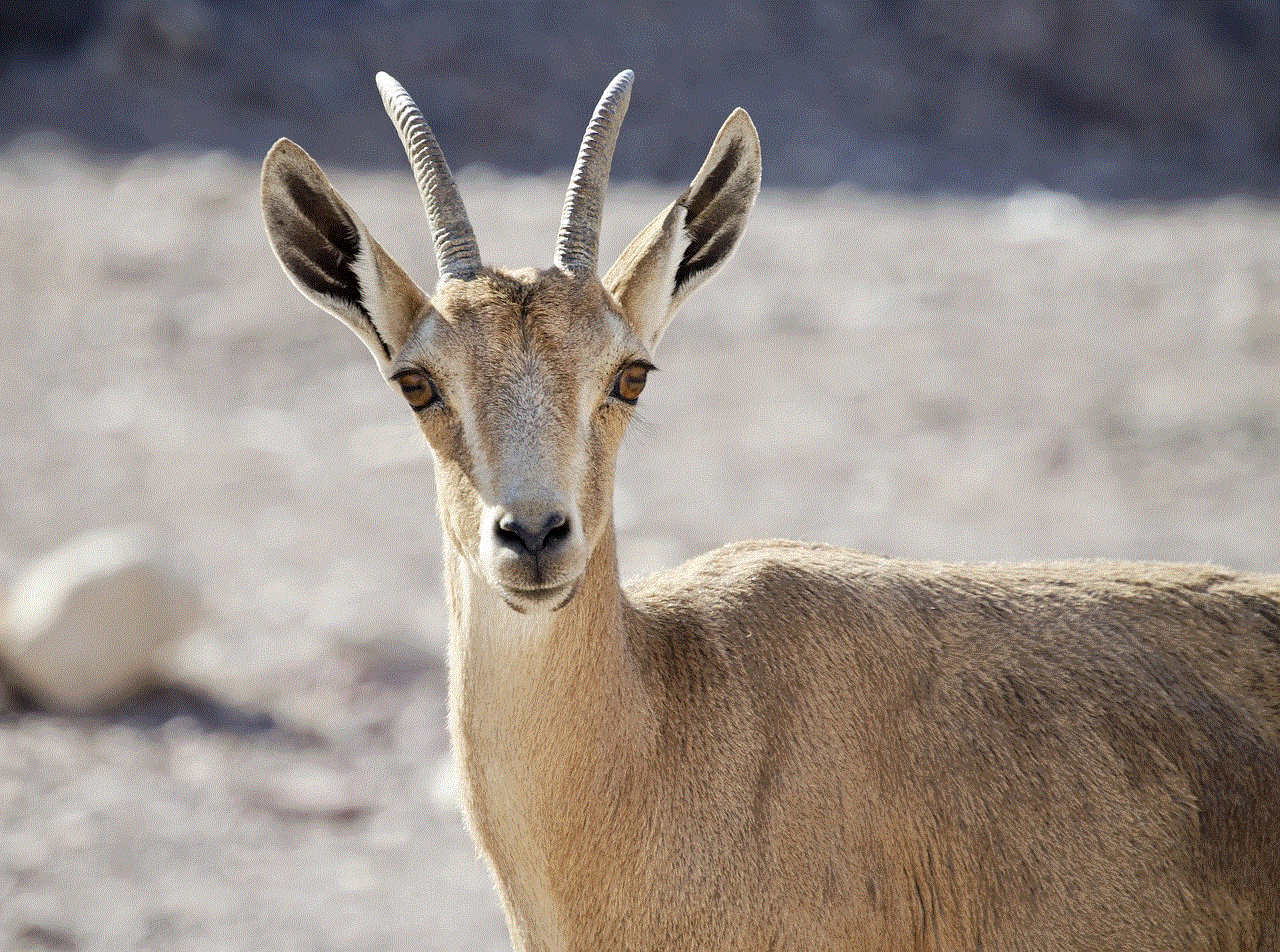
(532, 547)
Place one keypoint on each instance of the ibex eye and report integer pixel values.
(417, 388)
(629, 383)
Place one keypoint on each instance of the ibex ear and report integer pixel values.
(689, 242)
(328, 253)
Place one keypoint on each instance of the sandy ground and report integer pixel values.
(1025, 379)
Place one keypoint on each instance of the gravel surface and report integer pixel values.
(1024, 379)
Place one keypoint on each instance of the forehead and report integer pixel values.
(499, 320)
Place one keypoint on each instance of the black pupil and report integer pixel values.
(414, 388)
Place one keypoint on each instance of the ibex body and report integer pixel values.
(778, 745)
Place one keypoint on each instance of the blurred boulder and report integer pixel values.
(85, 627)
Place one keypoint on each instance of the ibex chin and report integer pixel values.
(782, 745)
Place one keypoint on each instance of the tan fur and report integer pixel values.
(781, 746)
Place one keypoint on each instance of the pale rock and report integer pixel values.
(85, 627)
(310, 792)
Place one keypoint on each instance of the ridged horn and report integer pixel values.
(457, 254)
(579, 240)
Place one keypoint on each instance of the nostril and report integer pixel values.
(557, 529)
(509, 533)
(520, 536)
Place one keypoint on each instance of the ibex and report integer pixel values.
(782, 745)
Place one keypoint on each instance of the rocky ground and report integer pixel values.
(1027, 378)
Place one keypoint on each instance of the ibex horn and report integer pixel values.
(457, 255)
(579, 240)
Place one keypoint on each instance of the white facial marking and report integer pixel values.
(481, 474)
(527, 469)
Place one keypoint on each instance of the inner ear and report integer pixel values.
(715, 215)
(330, 256)
(694, 237)
(324, 242)
(644, 278)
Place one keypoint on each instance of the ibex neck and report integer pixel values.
(586, 632)
(541, 707)
(526, 687)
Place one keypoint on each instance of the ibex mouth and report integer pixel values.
(551, 598)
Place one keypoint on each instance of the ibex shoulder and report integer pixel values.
(758, 610)
(744, 573)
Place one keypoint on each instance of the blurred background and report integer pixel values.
(1011, 292)
(1103, 98)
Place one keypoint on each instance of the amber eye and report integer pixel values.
(417, 388)
(630, 381)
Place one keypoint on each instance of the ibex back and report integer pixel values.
(782, 746)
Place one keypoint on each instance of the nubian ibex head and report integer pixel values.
(522, 381)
